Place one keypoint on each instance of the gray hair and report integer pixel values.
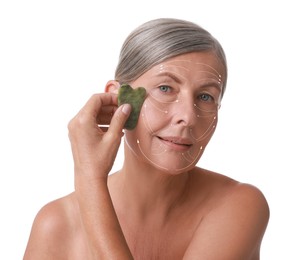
(160, 39)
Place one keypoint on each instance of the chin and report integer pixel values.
(171, 167)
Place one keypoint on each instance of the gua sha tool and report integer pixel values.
(134, 97)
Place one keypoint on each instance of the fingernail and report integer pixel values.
(126, 109)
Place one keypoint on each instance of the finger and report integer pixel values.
(117, 123)
(106, 114)
(94, 105)
(112, 138)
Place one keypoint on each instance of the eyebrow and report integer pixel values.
(170, 75)
(211, 84)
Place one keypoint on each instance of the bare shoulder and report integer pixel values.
(247, 202)
(250, 196)
(244, 198)
(52, 229)
(234, 226)
(226, 191)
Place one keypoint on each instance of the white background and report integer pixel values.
(55, 54)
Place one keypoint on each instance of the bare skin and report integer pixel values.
(192, 226)
(143, 211)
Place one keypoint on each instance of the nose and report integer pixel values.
(184, 112)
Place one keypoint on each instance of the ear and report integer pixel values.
(112, 86)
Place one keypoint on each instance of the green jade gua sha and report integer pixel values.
(134, 97)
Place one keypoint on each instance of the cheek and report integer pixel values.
(153, 117)
(204, 129)
(145, 127)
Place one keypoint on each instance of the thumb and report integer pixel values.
(119, 119)
(112, 138)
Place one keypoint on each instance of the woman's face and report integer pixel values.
(179, 114)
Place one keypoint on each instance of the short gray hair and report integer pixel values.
(160, 39)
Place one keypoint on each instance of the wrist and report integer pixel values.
(89, 180)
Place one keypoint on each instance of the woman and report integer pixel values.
(160, 205)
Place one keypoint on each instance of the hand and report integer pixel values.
(95, 148)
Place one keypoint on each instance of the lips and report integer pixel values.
(177, 143)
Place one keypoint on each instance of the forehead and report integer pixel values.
(193, 62)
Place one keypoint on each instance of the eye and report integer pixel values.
(165, 88)
(164, 93)
(205, 97)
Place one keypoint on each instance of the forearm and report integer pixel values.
(105, 236)
(94, 151)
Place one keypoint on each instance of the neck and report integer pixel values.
(147, 190)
